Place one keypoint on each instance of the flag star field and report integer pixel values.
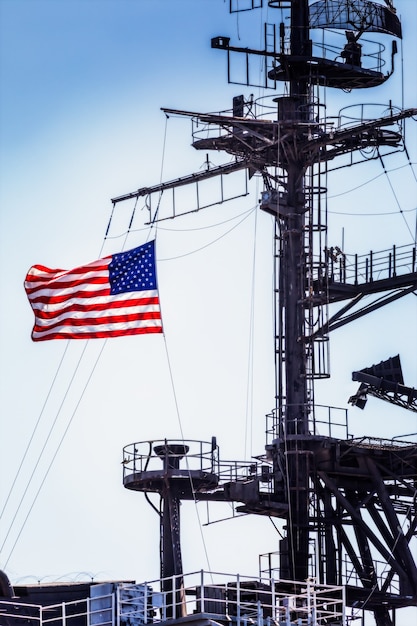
(133, 270)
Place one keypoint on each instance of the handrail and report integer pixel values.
(367, 268)
(247, 600)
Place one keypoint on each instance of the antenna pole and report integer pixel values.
(294, 561)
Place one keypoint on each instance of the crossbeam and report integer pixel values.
(183, 180)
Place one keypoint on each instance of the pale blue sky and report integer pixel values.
(82, 84)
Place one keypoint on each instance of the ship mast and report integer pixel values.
(294, 414)
(320, 485)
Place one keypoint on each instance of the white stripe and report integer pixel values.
(51, 274)
(79, 315)
(93, 301)
(84, 278)
(119, 326)
(67, 292)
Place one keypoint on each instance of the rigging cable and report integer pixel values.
(250, 385)
(154, 219)
(187, 230)
(40, 457)
(343, 193)
(41, 454)
(415, 178)
(180, 256)
(395, 195)
(154, 223)
(58, 447)
(245, 216)
(32, 437)
(40, 417)
(183, 439)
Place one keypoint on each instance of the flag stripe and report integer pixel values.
(140, 312)
(60, 280)
(110, 297)
(89, 298)
(68, 286)
(89, 321)
(100, 306)
(95, 333)
(40, 272)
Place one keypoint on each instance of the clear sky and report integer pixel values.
(82, 83)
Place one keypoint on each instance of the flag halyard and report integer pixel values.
(111, 297)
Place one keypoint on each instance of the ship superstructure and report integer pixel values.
(349, 504)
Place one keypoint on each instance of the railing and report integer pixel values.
(269, 565)
(266, 108)
(191, 455)
(147, 455)
(351, 576)
(330, 421)
(245, 600)
(360, 113)
(226, 598)
(378, 443)
(76, 613)
(324, 421)
(373, 59)
(374, 266)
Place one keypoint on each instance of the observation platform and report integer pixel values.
(348, 275)
(326, 72)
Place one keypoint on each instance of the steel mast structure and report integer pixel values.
(349, 505)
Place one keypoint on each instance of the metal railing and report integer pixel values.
(363, 269)
(323, 421)
(186, 456)
(75, 613)
(379, 443)
(227, 598)
(147, 455)
(244, 600)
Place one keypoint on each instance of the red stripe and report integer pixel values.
(95, 266)
(66, 284)
(94, 321)
(101, 334)
(104, 306)
(43, 268)
(70, 296)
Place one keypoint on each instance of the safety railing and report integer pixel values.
(323, 421)
(185, 456)
(143, 456)
(226, 598)
(245, 600)
(374, 266)
(87, 612)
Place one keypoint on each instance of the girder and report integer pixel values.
(279, 143)
(182, 181)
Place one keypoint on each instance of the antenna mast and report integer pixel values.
(327, 489)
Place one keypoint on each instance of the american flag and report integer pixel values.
(111, 297)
